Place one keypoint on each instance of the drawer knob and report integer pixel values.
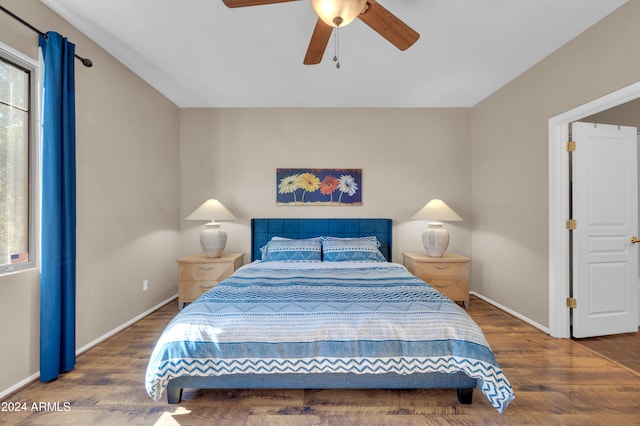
(442, 266)
(208, 286)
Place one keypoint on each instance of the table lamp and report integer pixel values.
(213, 238)
(435, 238)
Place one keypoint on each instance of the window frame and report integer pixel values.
(20, 60)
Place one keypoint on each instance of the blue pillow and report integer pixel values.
(263, 249)
(363, 249)
(293, 251)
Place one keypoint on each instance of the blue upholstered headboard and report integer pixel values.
(262, 230)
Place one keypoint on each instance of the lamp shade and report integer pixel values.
(435, 238)
(438, 211)
(211, 210)
(213, 238)
(338, 12)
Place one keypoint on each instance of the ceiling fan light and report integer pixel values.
(345, 10)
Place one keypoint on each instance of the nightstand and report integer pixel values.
(198, 274)
(448, 274)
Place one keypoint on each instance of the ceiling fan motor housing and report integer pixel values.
(338, 12)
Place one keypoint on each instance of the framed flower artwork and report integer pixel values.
(319, 187)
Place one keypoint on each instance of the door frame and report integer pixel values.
(559, 318)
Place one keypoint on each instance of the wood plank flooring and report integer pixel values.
(622, 348)
(556, 382)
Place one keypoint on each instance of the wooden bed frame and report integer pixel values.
(262, 230)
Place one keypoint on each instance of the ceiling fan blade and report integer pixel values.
(388, 26)
(243, 3)
(317, 45)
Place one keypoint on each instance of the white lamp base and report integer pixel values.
(213, 239)
(435, 239)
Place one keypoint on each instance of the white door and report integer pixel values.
(605, 207)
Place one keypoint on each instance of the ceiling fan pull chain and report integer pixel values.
(336, 48)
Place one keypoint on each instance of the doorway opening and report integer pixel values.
(559, 314)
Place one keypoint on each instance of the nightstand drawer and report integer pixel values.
(454, 290)
(205, 271)
(449, 271)
(191, 290)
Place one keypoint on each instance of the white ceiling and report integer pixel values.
(199, 53)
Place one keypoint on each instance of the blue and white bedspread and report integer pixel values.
(321, 317)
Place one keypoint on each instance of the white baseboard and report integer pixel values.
(123, 326)
(510, 312)
(19, 385)
(88, 346)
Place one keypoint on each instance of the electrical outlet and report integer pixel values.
(145, 285)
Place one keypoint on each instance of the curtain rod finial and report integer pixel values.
(85, 61)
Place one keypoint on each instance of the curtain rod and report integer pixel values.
(85, 61)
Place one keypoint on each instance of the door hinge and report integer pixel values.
(571, 224)
(572, 303)
(571, 146)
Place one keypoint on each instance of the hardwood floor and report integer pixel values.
(556, 381)
(622, 348)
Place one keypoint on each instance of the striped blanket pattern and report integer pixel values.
(321, 317)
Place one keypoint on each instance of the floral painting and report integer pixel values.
(319, 187)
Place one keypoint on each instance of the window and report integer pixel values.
(17, 95)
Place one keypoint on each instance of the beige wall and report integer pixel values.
(627, 114)
(407, 157)
(509, 157)
(127, 198)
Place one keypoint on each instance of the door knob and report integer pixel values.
(634, 240)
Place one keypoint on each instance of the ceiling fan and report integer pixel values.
(338, 13)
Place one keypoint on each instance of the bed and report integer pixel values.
(318, 307)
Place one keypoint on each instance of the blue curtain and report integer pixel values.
(58, 204)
